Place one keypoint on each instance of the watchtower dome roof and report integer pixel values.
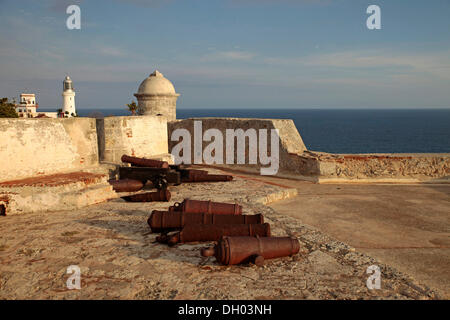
(156, 84)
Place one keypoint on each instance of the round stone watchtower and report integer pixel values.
(156, 96)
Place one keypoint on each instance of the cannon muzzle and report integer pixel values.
(126, 185)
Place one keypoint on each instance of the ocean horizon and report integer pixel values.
(341, 130)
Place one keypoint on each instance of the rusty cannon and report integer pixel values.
(161, 195)
(194, 175)
(160, 177)
(160, 173)
(237, 250)
(190, 174)
(143, 162)
(199, 206)
(207, 178)
(203, 232)
(163, 221)
(126, 185)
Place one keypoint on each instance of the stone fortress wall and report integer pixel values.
(290, 141)
(137, 136)
(298, 162)
(33, 147)
(65, 163)
(36, 147)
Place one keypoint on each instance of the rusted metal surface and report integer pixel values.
(163, 221)
(160, 177)
(126, 185)
(199, 206)
(208, 178)
(191, 174)
(202, 232)
(161, 195)
(237, 250)
(195, 172)
(142, 162)
(195, 175)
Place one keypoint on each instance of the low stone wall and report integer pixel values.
(32, 147)
(62, 191)
(143, 136)
(290, 141)
(394, 166)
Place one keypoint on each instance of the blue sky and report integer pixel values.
(231, 54)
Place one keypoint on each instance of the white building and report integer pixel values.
(27, 105)
(68, 107)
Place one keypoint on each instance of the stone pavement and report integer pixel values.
(406, 226)
(119, 259)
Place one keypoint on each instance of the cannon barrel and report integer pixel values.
(199, 206)
(142, 162)
(236, 250)
(202, 232)
(191, 173)
(126, 185)
(163, 221)
(188, 175)
(162, 195)
(207, 178)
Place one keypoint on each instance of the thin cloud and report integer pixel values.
(435, 63)
(146, 3)
(229, 55)
(292, 2)
(110, 51)
(61, 5)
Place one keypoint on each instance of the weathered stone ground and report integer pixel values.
(119, 259)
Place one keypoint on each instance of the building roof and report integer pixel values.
(156, 84)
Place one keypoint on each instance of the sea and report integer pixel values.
(343, 130)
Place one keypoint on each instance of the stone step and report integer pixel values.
(89, 196)
(55, 192)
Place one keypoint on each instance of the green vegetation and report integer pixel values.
(132, 107)
(7, 109)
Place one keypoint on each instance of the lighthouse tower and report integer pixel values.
(68, 107)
